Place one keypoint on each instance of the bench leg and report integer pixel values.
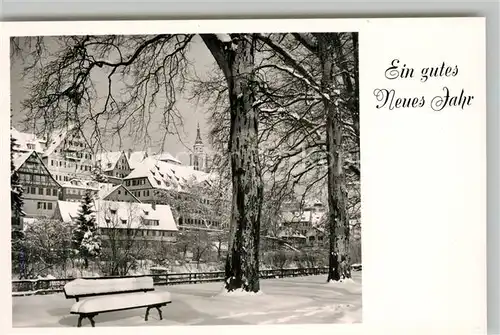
(88, 316)
(80, 318)
(159, 312)
(91, 318)
(147, 314)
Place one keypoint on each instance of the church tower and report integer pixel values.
(198, 156)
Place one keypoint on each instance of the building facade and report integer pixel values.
(68, 156)
(114, 165)
(41, 190)
(74, 190)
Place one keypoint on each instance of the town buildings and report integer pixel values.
(120, 220)
(63, 168)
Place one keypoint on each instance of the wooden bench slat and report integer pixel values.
(110, 295)
(114, 302)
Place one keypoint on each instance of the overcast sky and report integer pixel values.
(192, 113)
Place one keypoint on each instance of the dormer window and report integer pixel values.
(124, 221)
(113, 211)
(146, 212)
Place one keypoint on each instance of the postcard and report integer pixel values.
(312, 174)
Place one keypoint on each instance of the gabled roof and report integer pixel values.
(109, 214)
(108, 160)
(20, 159)
(167, 158)
(106, 192)
(168, 176)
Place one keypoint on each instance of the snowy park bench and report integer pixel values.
(111, 295)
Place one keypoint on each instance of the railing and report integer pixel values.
(47, 286)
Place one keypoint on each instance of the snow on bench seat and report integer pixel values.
(120, 301)
(85, 287)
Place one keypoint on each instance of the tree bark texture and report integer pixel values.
(237, 62)
(338, 221)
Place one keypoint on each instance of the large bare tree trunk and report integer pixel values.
(338, 223)
(237, 63)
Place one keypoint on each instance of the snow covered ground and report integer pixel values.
(282, 301)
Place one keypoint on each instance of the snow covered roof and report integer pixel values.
(105, 189)
(67, 210)
(20, 158)
(108, 160)
(105, 192)
(136, 157)
(26, 141)
(122, 215)
(167, 176)
(167, 157)
(56, 138)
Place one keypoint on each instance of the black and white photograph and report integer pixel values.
(185, 179)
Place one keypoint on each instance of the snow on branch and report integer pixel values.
(290, 61)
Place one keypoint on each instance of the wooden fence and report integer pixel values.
(46, 286)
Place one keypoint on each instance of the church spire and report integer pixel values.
(198, 136)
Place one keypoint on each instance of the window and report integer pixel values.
(51, 162)
(151, 222)
(48, 191)
(40, 190)
(119, 192)
(113, 211)
(127, 182)
(49, 205)
(54, 192)
(33, 190)
(124, 221)
(38, 205)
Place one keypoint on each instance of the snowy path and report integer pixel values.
(284, 301)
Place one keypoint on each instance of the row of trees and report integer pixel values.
(287, 113)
